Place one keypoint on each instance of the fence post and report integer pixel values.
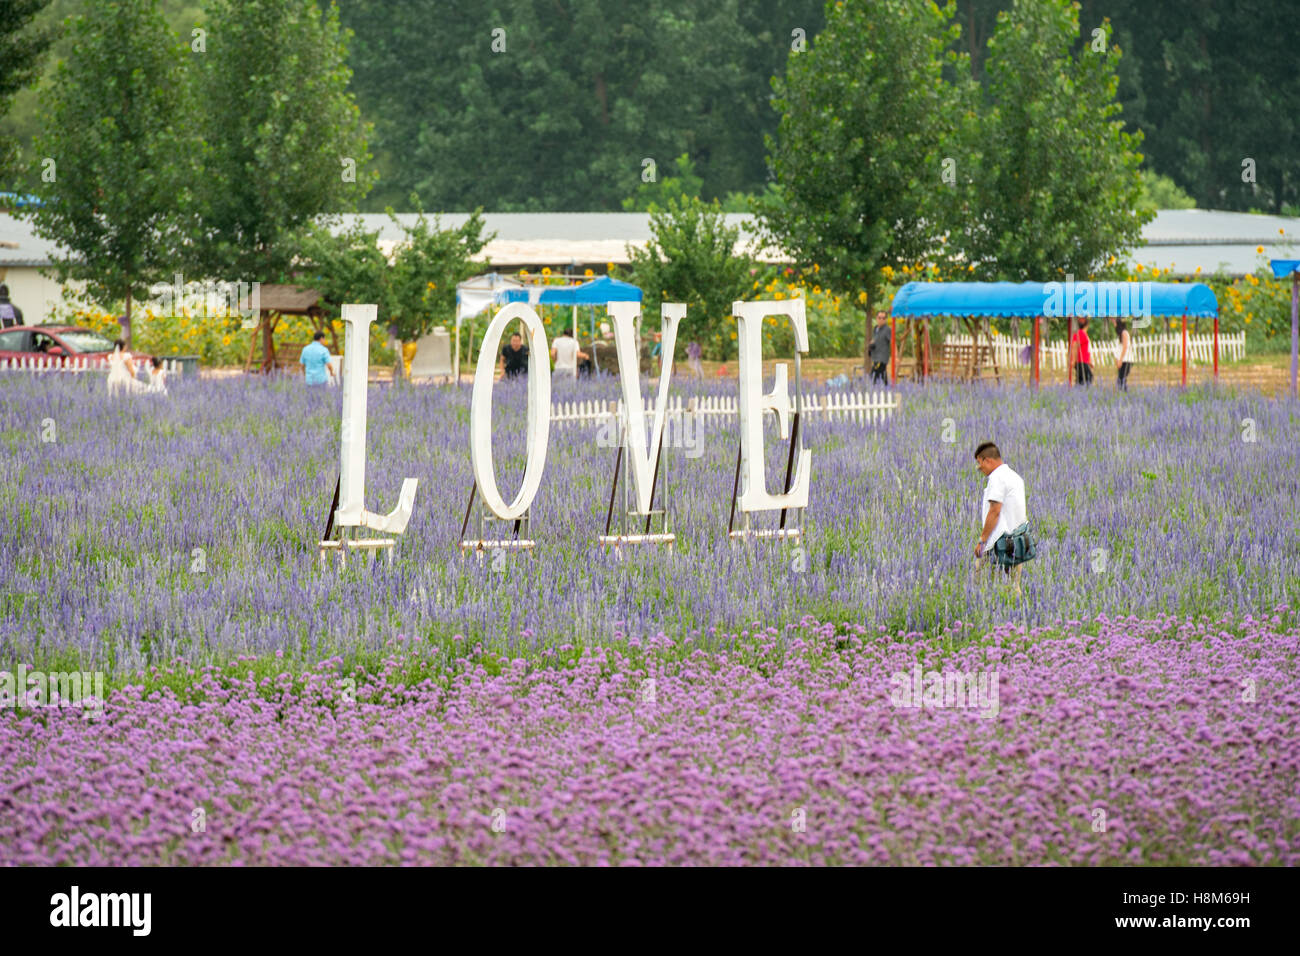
(1184, 348)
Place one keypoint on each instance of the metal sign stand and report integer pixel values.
(346, 541)
(627, 533)
(520, 534)
(786, 530)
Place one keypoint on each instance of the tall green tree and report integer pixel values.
(691, 259)
(1048, 181)
(414, 287)
(114, 175)
(866, 119)
(22, 48)
(282, 139)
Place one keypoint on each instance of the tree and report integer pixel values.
(282, 140)
(414, 289)
(114, 187)
(556, 103)
(22, 49)
(1161, 192)
(653, 196)
(1048, 180)
(859, 149)
(691, 259)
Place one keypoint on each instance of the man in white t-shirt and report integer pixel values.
(1004, 498)
(566, 353)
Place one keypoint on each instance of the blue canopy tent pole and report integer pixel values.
(1038, 300)
(1281, 269)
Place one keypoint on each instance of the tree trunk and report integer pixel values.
(126, 322)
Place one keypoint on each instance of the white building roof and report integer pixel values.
(1176, 240)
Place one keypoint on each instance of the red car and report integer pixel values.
(57, 344)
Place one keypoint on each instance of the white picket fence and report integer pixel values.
(75, 365)
(862, 407)
(1158, 349)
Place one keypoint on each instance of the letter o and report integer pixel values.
(539, 411)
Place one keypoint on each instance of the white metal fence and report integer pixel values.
(76, 365)
(1156, 349)
(862, 407)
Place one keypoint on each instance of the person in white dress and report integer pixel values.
(121, 371)
(157, 376)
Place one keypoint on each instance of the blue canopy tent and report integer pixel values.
(1281, 269)
(1037, 300)
(599, 291)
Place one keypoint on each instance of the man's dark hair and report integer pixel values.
(119, 344)
(4, 291)
(515, 335)
(987, 450)
(156, 362)
(1083, 321)
(318, 336)
(569, 331)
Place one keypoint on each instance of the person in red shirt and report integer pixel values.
(1081, 353)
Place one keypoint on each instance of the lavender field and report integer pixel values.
(706, 705)
(1145, 504)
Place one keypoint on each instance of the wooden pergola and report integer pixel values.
(274, 302)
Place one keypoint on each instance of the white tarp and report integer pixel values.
(475, 295)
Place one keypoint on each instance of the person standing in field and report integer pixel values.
(121, 370)
(1003, 511)
(514, 357)
(1125, 358)
(315, 360)
(566, 353)
(693, 355)
(881, 346)
(1081, 353)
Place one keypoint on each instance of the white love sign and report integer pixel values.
(357, 320)
(643, 455)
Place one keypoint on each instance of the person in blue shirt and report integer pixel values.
(315, 361)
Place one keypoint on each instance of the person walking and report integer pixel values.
(514, 357)
(693, 355)
(10, 314)
(881, 346)
(565, 352)
(315, 361)
(1081, 353)
(1003, 513)
(1125, 357)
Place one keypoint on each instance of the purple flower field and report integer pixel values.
(1134, 746)
(99, 529)
(1137, 703)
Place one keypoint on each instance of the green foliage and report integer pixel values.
(691, 259)
(1051, 183)
(22, 48)
(416, 290)
(559, 111)
(1161, 192)
(654, 196)
(117, 109)
(865, 116)
(281, 134)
